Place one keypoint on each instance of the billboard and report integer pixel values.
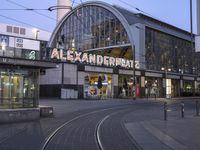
(22, 43)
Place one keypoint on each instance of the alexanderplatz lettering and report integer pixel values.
(74, 56)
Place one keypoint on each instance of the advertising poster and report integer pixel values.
(4, 42)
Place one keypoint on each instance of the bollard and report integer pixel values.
(182, 109)
(197, 108)
(165, 110)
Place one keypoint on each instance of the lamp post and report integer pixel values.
(134, 83)
(36, 32)
(167, 82)
(134, 73)
(191, 25)
(192, 47)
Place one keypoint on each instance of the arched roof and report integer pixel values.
(104, 5)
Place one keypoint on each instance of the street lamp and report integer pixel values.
(167, 82)
(36, 32)
(59, 7)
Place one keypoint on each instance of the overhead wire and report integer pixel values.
(21, 22)
(29, 9)
(136, 8)
(73, 1)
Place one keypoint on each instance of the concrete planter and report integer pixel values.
(19, 115)
(46, 111)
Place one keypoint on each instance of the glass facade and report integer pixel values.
(19, 85)
(98, 31)
(169, 52)
(18, 88)
(165, 59)
(90, 27)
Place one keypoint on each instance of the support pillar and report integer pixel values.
(181, 87)
(142, 86)
(115, 87)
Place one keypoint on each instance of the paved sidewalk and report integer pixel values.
(151, 132)
(171, 99)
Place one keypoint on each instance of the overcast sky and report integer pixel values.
(175, 12)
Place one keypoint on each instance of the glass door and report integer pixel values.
(11, 86)
(16, 86)
(12, 89)
(5, 86)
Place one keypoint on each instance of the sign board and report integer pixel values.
(94, 59)
(4, 42)
(197, 43)
(22, 43)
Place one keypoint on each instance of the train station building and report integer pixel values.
(103, 49)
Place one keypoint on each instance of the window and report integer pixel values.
(91, 27)
(16, 30)
(164, 50)
(9, 29)
(22, 31)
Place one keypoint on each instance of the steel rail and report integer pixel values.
(55, 132)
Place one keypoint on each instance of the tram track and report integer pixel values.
(76, 130)
(100, 126)
(51, 137)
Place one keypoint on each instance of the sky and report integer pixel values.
(174, 12)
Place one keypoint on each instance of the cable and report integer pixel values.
(30, 9)
(73, 1)
(21, 22)
(138, 9)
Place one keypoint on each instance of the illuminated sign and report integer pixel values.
(3, 42)
(31, 55)
(90, 58)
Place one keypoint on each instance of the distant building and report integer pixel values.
(133, 54)
(22, 56)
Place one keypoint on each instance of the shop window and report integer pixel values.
(126, 86)
(94, 89)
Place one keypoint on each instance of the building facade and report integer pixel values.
(22, 55)
(108, 51)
